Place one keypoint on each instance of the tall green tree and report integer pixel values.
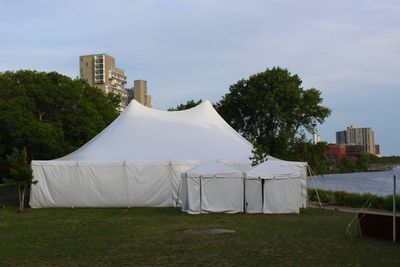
(189, 104)
(313, 154)
(20, 174)
(272, 110)
(50, 114)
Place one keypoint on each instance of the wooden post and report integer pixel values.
(394, 208)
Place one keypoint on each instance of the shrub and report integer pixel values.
(343, 198)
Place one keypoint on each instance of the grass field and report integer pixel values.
(155, 236)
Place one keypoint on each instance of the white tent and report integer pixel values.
(302, 168)
(138, 159)
(276, 186)
(212, 187)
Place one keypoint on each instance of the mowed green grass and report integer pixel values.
(155, 236)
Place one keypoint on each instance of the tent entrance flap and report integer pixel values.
(218, 188)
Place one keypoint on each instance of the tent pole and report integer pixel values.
(244, 194)
(262, 195)
(170, 183)
(315, 186)
(201, 196)
(127, 185)
(394, 208)
(77, 174)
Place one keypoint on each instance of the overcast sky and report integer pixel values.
(350, 50)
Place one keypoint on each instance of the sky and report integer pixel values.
(186, 49)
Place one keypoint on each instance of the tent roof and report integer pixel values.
(274, 169)
(144, 134)
(213, 168)
(286, 162)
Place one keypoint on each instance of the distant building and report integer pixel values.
(341, 138)
(139, 93)
(377, 150)
(352, 136)
(99, 70)
(354, 151)
(336, 152)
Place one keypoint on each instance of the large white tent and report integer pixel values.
(212, 187)
(276, 186)
(138, 159)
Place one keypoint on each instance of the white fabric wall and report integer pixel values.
(212, 194)
(178, 169)
(149, 185)
(222, 195)
(282, 196)
(156, 184)
(72, 184)
(191, 195)
(253, 196)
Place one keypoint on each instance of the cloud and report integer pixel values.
(196, 49)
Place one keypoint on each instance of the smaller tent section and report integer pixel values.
(275, 186)
(302, 168)
(212, 187)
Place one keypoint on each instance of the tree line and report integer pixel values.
(49, 114)
(273, 111)
(52, 115)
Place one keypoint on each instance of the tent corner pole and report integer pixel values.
(244, 193)
(201, 196)
(127, 185)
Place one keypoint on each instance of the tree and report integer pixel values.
(313, 154)
(189, 104)
(49, 114)
(363, 161)
(272, 111)
(20, 174)
(346, 165)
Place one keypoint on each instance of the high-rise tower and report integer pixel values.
(99, 70)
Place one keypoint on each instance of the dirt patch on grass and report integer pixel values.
(208, 231)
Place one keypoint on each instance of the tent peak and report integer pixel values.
(204, 103)
(135, 103)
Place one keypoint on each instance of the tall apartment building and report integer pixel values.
(357, 136)
(99, 70)
(139, 93)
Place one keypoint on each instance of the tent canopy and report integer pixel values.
(286, 162)
(137, 160)
(274, 169)
(144, 134)
(214, 169)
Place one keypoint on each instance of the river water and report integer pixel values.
(378, 183)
